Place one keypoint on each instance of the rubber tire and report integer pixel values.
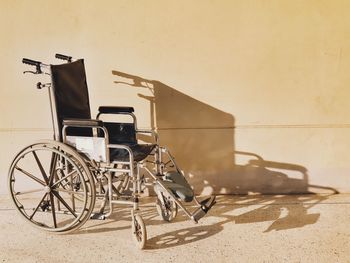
(139, 232)
(170, 215)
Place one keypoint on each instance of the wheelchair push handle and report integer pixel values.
(31, 62)
(35, 63)
(64, 57)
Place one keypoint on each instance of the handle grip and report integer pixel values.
(31, 62)
(64, 57)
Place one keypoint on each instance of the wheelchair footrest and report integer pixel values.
(203, 209)
(98, 216)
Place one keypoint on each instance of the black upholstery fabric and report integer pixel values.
(124, 133)
(120, 133)
(140, 152)
(71, 95)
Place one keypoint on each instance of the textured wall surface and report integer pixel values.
(250, 96)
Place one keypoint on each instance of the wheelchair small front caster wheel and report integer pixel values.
(168, 211)
(139, 232)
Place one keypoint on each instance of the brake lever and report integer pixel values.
(35, 72)
(29, 71)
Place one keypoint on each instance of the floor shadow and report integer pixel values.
(281, 212)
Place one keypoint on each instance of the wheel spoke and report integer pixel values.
(30, 191)
(64, 203)
(63, 178)
(36, 209)
(41, 168)
(31, 176)
(53, 210)
(52, 167)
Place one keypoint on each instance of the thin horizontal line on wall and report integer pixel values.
(294, 126)
(265, 126)
(195, 128)
(243, 126)
(25, 130)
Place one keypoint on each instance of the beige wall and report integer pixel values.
(277, 71)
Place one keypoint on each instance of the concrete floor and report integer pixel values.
(308, 228)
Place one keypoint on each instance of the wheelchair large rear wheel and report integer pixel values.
(52, 186)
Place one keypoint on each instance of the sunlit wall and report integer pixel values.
(250, 96)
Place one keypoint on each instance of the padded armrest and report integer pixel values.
(83, 123)
(115, 109)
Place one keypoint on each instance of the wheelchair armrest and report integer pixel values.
(145, 131)
(115, 109)
(152, 132)
(83, 123)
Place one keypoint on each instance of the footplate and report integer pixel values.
(203, 209)
(98, 216)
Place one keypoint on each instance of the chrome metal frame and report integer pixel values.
(107, 168)
(98, 175)
(131, 168)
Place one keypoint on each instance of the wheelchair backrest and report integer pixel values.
(120, 133)
(71, 99)
(71, 96)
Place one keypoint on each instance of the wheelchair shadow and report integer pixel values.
(202, 138)
(278, 212)
(273, 212)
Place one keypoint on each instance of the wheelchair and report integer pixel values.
(55, 184)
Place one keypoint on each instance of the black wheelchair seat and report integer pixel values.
(140, 152)
(124, 133)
